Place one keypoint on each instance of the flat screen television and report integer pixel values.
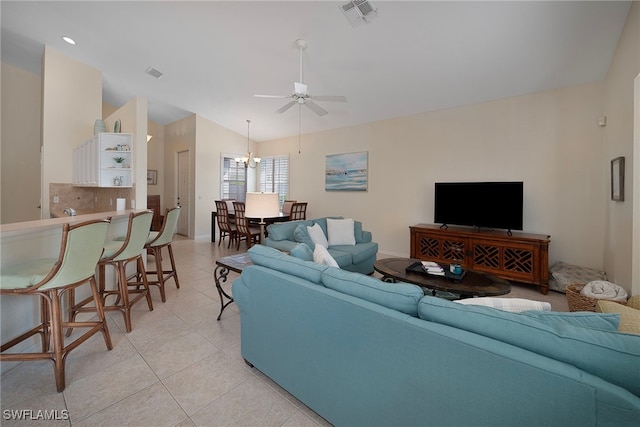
(479, 204)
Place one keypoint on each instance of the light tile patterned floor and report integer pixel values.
(177, 367)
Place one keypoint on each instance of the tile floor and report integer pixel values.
(178, 366)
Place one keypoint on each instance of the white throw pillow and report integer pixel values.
(317, 235)
(322, 256)
(514, 305)
(340, 232)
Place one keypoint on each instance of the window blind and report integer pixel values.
(274, 176)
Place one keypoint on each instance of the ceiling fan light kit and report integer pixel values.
(301, 94)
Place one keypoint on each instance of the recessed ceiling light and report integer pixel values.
(68, 40)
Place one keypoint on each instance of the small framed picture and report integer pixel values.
(152, 177)
(617, 179)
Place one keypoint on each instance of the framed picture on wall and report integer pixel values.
(617, 179)
(346, 172)
(152, 177)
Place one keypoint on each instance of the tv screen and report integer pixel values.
(479, 204)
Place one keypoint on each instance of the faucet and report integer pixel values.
(70, 212)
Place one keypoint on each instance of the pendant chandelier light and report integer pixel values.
(249, 159)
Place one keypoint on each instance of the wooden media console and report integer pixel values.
(521, 257)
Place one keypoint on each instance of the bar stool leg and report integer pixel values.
(101, 315)
(46, 329)
(123, 294)
(143, 272)
(58, 340)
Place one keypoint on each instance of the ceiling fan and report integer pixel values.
(301, 95)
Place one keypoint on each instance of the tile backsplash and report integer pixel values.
(96, 199)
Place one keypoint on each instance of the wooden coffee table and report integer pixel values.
(474, 283)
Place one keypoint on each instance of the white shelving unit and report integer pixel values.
(94, 162)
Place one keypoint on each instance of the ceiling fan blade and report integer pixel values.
(315, 107)
(286, 107)
(272, 96)
(300, 88)
(330, 98)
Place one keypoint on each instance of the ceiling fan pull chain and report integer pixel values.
(299, 126)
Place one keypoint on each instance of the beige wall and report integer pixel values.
(619, 106)
(549, 140)
(20, 150)
(212, 140)
(71, 102)
(207, 142)
(155, 161)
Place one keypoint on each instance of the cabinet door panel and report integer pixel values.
(454, 251)
(487, 257)
(428, 247)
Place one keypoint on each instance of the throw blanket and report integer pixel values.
(601, 289)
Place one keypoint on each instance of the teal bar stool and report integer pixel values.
(50, 279)
(163, 239)
(119, 253)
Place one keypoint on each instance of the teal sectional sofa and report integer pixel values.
(360, 257)
(362, 352)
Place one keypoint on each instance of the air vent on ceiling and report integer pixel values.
(153, 72)
(359, 11)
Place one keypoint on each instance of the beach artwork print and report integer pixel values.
(346, 172)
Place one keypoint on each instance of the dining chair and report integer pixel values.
(119, 253)
(224, 222)
(250, 234)
(298, 211)
(50, 279)
(163, 239)
(286, 206)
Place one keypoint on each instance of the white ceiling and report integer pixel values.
(415, 57)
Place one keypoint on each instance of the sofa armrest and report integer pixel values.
(367, 237)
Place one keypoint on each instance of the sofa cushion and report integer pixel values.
(322, 222)
(515, 305)
(284, 230)
(357, 253)
(301, 235)
(612, 356)
(303, 252)
(317, 235)
(322, 256)
(340, 232)
(281, 245)
(401, 297)
(357, 232)
(344, 259)
(585, 319)
(629, 317)
(276, 260)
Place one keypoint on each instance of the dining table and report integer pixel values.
(281, 217)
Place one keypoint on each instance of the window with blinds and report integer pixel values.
(234, 176)
(274, 176)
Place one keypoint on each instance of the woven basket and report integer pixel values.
(579, 302)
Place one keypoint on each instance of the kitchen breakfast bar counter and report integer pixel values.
(24, 241)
